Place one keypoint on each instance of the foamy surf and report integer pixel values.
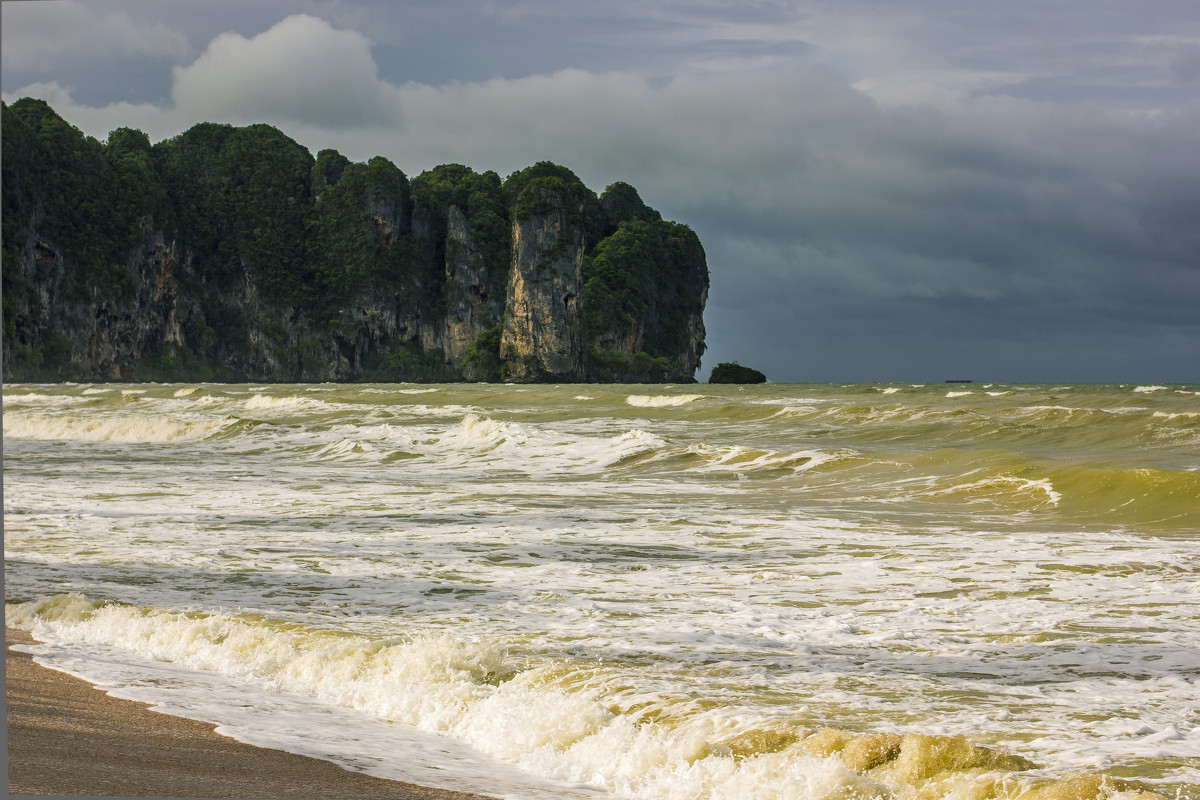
(137, 667)
(662, 400)
(276, 404)
(534, 717)
(123, 428)
(754, 589)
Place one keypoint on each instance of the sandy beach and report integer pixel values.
(66, 737)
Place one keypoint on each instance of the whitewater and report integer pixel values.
(809, 591)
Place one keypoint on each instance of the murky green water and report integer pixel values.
(637, 591)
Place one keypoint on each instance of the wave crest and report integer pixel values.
(126, 428)
(549, 718)
(661, 400)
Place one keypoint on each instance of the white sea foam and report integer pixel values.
(262, 402)
(245, 665)
(661, 400)
(185, 391)
(348, 449)
(958, 394)
(891, 390)
(1006, 485)
(629, 444)
(34, 397)
(1151, 388)
(476, 431)
(532, 718)
(786, 401)
(649, 594)
(796, 411)
(749, 461)
(127, 428)
(513, 446)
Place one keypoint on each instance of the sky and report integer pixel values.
(886, 191)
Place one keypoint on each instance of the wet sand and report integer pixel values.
(66, 737)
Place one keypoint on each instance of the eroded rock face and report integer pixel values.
(689, 359)
(230, 254)
(117, 334)
(543, 330)
(473, 307)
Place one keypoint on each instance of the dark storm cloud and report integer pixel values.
(920, 190)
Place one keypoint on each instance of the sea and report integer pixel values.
(810, 591)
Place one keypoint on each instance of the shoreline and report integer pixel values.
(68, 738)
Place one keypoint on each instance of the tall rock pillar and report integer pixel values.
(471, 308)
(542, 340)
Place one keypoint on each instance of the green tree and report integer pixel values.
(650, 274)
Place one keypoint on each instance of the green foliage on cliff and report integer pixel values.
(16, 148)
(407, 362)
(483, 362)
(231, 253)
(357, 235)
(622, 203)
(327, 170)
(87, 208)
(640, 283)
(240, 197)
(539, 189)
(481, 200)
(613, 366)
(168, 363)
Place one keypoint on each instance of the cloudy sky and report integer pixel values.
(914, 191)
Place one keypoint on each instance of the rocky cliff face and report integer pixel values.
(231, 254)
(689, 359)
(473, 303)
(82, 325)
(542, 338)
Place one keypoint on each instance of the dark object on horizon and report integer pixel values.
(733, 372)
(232, 254)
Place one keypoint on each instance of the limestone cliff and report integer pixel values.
(231, 254)
(542, 337)
(645, 289)
(474, 305)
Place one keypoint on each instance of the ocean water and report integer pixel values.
(778, 591)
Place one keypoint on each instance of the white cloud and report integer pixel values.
(301, 70)
(36, 34)
(157, 122)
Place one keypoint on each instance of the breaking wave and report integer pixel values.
(127, 428)
(661, 400)
(556, 718)
(262, 402)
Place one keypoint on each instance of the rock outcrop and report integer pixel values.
(231, 254)
(733, 372)
(542, 338)
(474, 305)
